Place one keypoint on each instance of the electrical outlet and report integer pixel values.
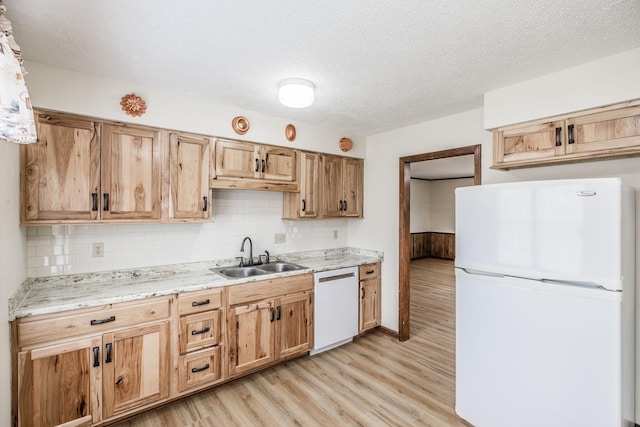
(280, 238)
(98, 250)
(335, 234)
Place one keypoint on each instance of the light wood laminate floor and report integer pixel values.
(374, 381)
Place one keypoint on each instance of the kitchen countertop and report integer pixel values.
(47, 295)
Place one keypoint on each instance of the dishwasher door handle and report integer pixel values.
(337, 277)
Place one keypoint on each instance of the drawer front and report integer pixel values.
(199, 331)
(369, 271)
(197, 302)
(268, 289)
(199, 368)
(90, 322)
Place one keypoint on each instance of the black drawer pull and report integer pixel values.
(362, 295)
(101, 321)
(96, 356)
(371, 271)
(108, 356)
(204, 368)
(197, 303)
(202, 331)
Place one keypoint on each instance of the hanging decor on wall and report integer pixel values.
(346, 144)
(240, 125)
(133, 105)
(16, 114)
(290, 132)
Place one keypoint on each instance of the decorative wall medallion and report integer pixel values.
(133, 105)
(240, 125)
(346, 144)
(290, 132)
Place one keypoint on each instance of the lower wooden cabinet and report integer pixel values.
(370, 288)
(199, 368)
(251, 336)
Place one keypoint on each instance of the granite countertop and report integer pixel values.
(48, 295)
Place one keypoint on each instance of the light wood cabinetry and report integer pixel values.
(100, 363)
(250, 166)
(200, 338)
(269, 321)
(370, 288)
(341, 186)
(305, 204)
(606, 132)
(190, 168)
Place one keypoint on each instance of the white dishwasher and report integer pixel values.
(335, 308)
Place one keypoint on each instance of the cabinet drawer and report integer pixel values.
(199, 368)
(369, 271)
(58, 327)
(197, 302)
(268, 289)
(199, 331)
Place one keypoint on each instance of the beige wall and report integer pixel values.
(12, 263)
(433, 204)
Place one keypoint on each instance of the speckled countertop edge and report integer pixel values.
(48, 295)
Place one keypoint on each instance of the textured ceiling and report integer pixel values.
(377, 64)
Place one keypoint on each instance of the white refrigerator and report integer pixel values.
(545, 304)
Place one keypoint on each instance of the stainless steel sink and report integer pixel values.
(257, 270)
(279, 267)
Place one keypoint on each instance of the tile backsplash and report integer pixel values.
(67, 249)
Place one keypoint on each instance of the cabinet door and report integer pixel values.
(189, 177)
(352, 176)
(62, 170)
(529, 143)
(277, 164)
(614, 130)
(131, 173)
(136, 367)
(331, 168)
(369, 303)
(293, 325)
(309, 164)
(60, 384)
(237, 159)
(251, 332)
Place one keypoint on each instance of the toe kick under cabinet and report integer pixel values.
(83, 366)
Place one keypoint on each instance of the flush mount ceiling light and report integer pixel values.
(295, 93)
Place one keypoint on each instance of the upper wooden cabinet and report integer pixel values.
(341, 186)
(305, 204)
(245, 165)
(131, 173)
(61, 172)
(607, 132)
(189, 165)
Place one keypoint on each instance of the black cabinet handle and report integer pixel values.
(257, 165)
(197, 303)
(279, 313)
(263, 164)
(340, 205)
(570, 137)
(371, 271)
(345, 206)
(558, 137)
(96, 356)
(202, 331)
(273, 314)
(108, 350)
(204, 204)
(105, 206)
(101, 321)
(204, 368)
(362, 294)
(304, 205)
(94, 201)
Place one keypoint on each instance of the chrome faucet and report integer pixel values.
(250, 251)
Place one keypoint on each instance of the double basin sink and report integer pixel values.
(257, 270)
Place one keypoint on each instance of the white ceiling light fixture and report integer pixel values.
(296, 93)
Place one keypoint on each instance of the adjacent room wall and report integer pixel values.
(12, 262)
(420, 205)
(443, 204)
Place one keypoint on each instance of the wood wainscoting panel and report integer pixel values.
(433, 245)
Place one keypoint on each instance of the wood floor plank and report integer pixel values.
(374, 381)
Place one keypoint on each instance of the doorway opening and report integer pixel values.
(404, 227)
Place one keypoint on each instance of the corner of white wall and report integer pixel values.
(602, 82)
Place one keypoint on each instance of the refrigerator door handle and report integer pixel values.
(574, 283)
(481, 273)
